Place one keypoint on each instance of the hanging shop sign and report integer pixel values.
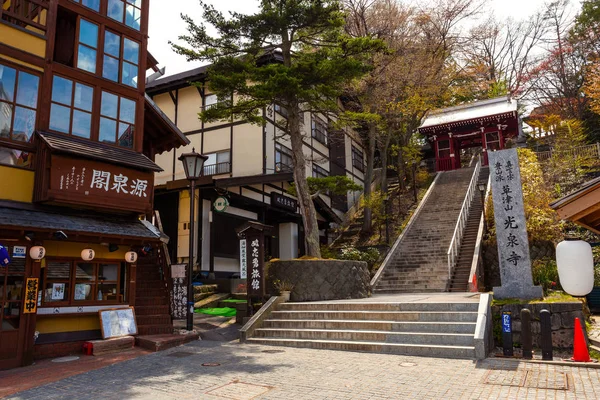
(221, 204)
(31, 295)
(255, 257)
(96, 184)
(19, 252)
(281, 201)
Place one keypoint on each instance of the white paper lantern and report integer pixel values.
(88, 254)
(131, 257)
(575, 267)
(37, 253)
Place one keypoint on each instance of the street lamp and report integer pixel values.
(193, 165)
(482, 186)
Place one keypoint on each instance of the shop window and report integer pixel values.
(15, 158)
(71, 107)
(18, 103)
(117, 120)
(121, 59)
(283, 158)
(318, 172)
(358, 160)
(80, 283)
(87, 47)
(12, 284)
(217, 163)
(319, 130)
(93, 4)
(128, 12)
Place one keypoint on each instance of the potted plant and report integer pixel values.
(284, 288)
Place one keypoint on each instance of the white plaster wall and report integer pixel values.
(247, 150)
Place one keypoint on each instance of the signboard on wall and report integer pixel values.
(93, 183)
(31, 295)
(243, 259)
(281, 201)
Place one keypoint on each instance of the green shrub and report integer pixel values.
(597, 275)
(545, 274)
(371, 255)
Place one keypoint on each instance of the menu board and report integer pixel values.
(117, 322)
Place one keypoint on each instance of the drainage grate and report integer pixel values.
(240, 391)
(180, 354)
(553, 380)
(273, 351)
(505, 377)
(547, 380)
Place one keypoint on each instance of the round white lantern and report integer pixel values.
(131, 257)
(575, 267)
(37, 252)
(88, 254)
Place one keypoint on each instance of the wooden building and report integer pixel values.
(482, 125)
(250, 167)
(78, 137)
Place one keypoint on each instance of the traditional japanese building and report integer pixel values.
(249, 171)
(78, 137)
(484, 125)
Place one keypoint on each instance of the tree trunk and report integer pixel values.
(384, 164)
(307, 207)
(368, 212)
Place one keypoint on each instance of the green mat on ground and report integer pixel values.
(220, 312)
(234, 301)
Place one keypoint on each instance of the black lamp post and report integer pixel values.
(482, 186)
(193, 165)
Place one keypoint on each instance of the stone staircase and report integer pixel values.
(419, 263)
(460, 275)
(435, 329)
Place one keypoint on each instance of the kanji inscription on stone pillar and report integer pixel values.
(511, 232)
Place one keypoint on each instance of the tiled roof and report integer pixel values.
(96, 224)
(97, 151)
(475, 110)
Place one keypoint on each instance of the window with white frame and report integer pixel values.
(283, 158)
(217, 163)
(319, 130)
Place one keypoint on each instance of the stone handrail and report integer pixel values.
(456, 241)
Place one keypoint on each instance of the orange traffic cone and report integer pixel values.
(580, 350)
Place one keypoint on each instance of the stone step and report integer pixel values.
(429, 316)
(378, 325)
(369, 306)
(467, 352)
(404, 290)
(449, 339)
(162, 342)
(158, 329)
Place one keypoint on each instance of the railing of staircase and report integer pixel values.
(454, 247)
(164, 261)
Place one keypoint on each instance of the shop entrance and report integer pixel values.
(12, 322)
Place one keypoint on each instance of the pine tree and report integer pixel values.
(292, 53)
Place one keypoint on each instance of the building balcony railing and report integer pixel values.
(25, 13)
(217, 169)
(281, 167)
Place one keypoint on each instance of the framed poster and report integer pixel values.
(58, 291)
(117, 322)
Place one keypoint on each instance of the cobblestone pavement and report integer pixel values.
(260, 372)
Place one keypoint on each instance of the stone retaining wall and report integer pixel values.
(316, 280)
(562, 317)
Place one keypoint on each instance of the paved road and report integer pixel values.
(258, 372)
